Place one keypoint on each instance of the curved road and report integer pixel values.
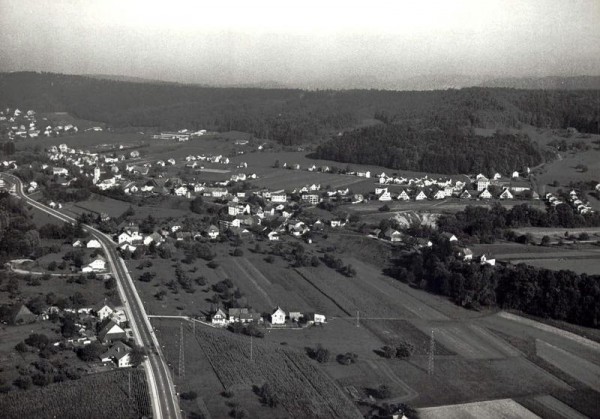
(165, 403)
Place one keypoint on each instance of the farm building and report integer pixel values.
(111, 332)
(295, 316)
(506, 194)
(97, 265)
(119, 353)
(278, 316)
(22, 315)
(93, 244)
(449, 236)
(485, 194)
(219, 318)
(314, 318)
(212, 232)
(103, 310)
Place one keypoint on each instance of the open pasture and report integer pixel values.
(98, 204)
(352, 295)
(577, 367)
(275, 179)
(491, 409)
(469, 341)
(548, 406)
(299, 293)
(589, 265)
(459, 380)
(93, 396)
(392, 332)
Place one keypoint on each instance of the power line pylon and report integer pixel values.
(181, 353)
(431, 351)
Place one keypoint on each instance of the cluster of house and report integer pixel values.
(223, 317)
(578, 205)
(98, 264)
(101, 323)
(23, 125)
(181, 135)
(419, 189)
(130, 237)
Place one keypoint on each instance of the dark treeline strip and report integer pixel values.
(488, 224)
(291, 116)
(423, 149)
(560, 295)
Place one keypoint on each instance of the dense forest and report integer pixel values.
(561, 295)
(18, 235)
(434, 150)
(292, 116)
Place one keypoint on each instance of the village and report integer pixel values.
(290, 254)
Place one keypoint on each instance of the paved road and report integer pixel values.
(165, 403)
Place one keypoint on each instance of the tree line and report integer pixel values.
(420, 147)
(291, 116)
(489, 224)
(560, 295)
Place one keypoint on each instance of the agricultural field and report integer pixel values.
(492, 409)
(97, 204)
(575, 366)
(459, 380)
(304, 391)
(588, 265)
(93, 396)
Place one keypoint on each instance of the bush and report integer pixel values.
(39, 341)
(545, 241)
(382, 392)
(388, 352)
(23, 382)
(319, 354)
(21, 347)
(238, 252)
(212, 264)
(347, 359)
(404, 350)
(189, 395)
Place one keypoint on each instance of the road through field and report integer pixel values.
(165, 402)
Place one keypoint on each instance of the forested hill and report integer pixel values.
(402, 146)
(291, 116)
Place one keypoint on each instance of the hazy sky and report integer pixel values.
(303, 43)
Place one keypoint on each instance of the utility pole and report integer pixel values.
(181, 353)
(357, 318)
(251, 348)
(194, 326)
(129, 392)
(431, 350)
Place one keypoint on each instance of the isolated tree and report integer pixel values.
(320, 354)
(382, 392)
